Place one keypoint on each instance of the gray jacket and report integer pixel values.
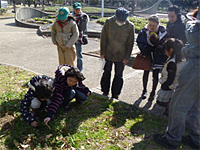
(117, 41)
(81, 21)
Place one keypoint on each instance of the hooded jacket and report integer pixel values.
(156, 52)
(66, 35)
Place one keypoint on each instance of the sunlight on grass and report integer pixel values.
(98, 123)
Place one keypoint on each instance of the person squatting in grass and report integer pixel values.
(64, 34)
(154, 51)
(36, 99)
(169, 75)
(67, 85)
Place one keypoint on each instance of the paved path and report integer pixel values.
(24, 48)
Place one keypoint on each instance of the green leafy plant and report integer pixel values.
(3, 10)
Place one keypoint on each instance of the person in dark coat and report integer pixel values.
(175, 25)
(155, 51)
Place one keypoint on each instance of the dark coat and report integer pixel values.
(177, 29)
(156, 52)
(117, 41)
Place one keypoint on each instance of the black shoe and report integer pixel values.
(115, 96)
(105, 94)
(151, 97)
(144, 95)
(188, 140)
(161, 139)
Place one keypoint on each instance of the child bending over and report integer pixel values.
(68, 85)
(36, 99)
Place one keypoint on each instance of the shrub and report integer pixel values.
(138, 22)
(3, 10)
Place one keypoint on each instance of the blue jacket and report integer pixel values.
(156, 52)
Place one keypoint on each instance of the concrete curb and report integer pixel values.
(6, 64)
(25, 13)
(93, 34)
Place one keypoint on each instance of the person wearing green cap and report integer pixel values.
(64, 34)
(81, 21)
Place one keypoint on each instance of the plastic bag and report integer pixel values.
(102, 63)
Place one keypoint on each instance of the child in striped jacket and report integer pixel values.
(68, 85)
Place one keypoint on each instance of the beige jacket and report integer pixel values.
(117, 41)
(65, 36)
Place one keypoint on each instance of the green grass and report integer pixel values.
(98, 123)
(84, 9)
(138, 22)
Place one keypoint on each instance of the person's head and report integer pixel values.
(73, 76)
(153, 23)
(43, 90)
(153, 38)
(173, 13)
(173, 48)
(121, 15)
(63, 14)
(77, 8)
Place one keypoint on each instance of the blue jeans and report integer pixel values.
(118, 78)
(71, 93)
(79, 56)
(185, 102)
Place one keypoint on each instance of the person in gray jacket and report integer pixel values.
(81, 21)
(186, 98)
(116, 44)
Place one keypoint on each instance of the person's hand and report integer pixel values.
(46, 120)
(88, 94)
(102, 56)
(125, 61)
(34, 124)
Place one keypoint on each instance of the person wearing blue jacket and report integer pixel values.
(154, 51)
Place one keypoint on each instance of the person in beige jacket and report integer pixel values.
(116, 44)
(64, 34)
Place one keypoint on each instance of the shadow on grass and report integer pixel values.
(17, 132)
(140, 124)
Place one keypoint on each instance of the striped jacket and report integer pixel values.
(60, 85)
(25, 104)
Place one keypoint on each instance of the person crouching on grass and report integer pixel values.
(68, 85)
(36, 99)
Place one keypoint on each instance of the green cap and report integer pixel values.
(63, 13)
(77, 5)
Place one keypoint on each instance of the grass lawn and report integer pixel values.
(98, 123)
(84, 9)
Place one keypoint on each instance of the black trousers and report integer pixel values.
(118, 78)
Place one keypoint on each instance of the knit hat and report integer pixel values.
(121, 14)
(77, 5)
(63, 13)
